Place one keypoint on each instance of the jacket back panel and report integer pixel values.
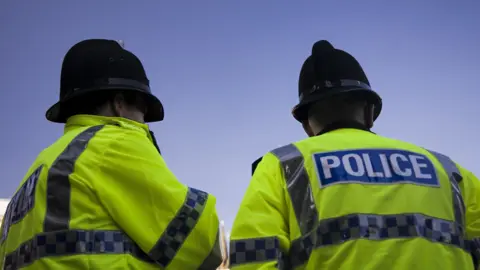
(355, 174)
(73, 168)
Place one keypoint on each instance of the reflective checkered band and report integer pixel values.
(72, 242)
(376, 227)
(180, 227)
(254, 250)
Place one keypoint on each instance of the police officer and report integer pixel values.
(346, 198)
(101, 196)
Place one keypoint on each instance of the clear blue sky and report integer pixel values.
(227, 74)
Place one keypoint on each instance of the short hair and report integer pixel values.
(92, 103)
(344, 107)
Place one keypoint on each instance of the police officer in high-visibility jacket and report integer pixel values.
(101, 196)
(346, 198)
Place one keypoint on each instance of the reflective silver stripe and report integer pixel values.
(458, 203)
(73, 242)
(57, 216)
(375, 227)
(214, 259)
(254, 250)
(179, 228)
(298, 185)
(455, 178)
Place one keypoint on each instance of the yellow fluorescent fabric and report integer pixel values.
(471, 188)
(264, 211)
(267, 210)
(121, 198)
(145, 202)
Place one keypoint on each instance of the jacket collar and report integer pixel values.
(343, 124)
(84, 120)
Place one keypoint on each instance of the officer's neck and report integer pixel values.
(339, 125)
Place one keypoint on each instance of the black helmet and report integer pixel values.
(331, 72)
(96, 65)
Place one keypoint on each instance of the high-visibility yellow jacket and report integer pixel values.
(350, 199)
(102, 197)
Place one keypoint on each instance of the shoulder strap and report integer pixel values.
(255, 164)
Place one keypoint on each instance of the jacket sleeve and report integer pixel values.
(260, 229)
(471, 189)
(2, 256)
(177, 226)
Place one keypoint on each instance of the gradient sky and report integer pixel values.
(227, 74)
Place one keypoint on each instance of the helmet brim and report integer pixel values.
(300, 111)
(155, 111)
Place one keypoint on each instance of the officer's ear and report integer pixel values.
(115, 105)
(307, 128)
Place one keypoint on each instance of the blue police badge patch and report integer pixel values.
(21, 203)
(374, 166)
